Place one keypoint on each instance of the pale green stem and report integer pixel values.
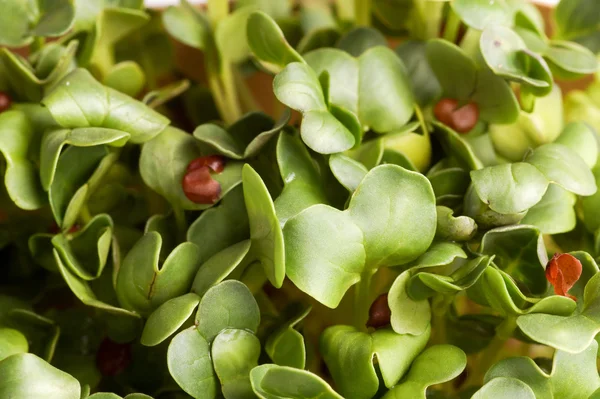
(362, 293)
(362, 12)
(440, 307)
(345, 10)
(217, 10)
(421, 120)
(492, 353)
(217, 93)
(180, 223)
(452, 26)
(231, 97)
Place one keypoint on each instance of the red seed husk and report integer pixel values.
(461, 119)
(5, 101)
(200, 187)
(562, 272)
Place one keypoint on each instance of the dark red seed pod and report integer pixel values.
(113, 358)
(5, 101)
(379, 312)
(443, 110)
(562, 272)
(200, 187)
(216, 163)
(465, 118)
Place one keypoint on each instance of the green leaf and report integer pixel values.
(85, 252)
(164, 161)
(303, 183)
(79, 101)
(479, 14)
(572, 376)
(41, 333)
(425, 85)
(12, 342)
(186, 25)
(230, 35)
(507, 55)
(229, 304)
(570, 60)
(245, 138)
(563, 166)
(457, 147)
(347, 171)
(54, 140)
(27, 376)
(164, 94)
(142, 285)
(235, 353)
(386, 100)
(84, 292)
(265, 231)
(126, 77)
(219, 266)
(270, 381)
(325, 253)
(360, 39)
(505, 387)
(21, 177)
(520, 252)
(168, 318)
(23, 21)
(571, 334)
(435, 365)
(580, 138)
(510, 188)
(407, 315)
(496, 101)
(455, 71)
(298, 87)
(190, 365)
(407, 202)
(342, 346)
(268, 44)
(221, 226)
(554, 214)
(449, 227)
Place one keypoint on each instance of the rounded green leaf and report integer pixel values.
(407, 315)
(230, 35)
(324, 253)
(229, 304)
(27, 376)
(455, 71)
(348, 171)
(270, 381)
(286, 348)
(399, 223)
(79, 101)
(169, 316)
(570, 60)
(186, 25)
(449, 227)
(235, 353)
(510, 188)
(580, 138)
(126, 77)
(265, 231)
(142, 285)
(425, 85)
(190, 365)
(505, 387)
(386, 102)
(12, 342)
(267, 42)
(563, 166)
(555, 212)
(360, 39)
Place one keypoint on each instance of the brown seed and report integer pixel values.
(379, 312)
(465, 118)
(5, 101)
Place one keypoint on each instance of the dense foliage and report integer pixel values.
(413, 213)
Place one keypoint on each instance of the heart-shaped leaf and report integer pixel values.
(437, 364)
(27, 376)
(265, 231)
(229, 304)
(234, 354)
(563, 166)
(270, 381)
(298, 87)
(243, 139)
(164, 161)
(510, 188)
(79, 101)
(190, 364)
(344, 345)
(21, 177)
(168, 318)
(142, 285)
(268, 44)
